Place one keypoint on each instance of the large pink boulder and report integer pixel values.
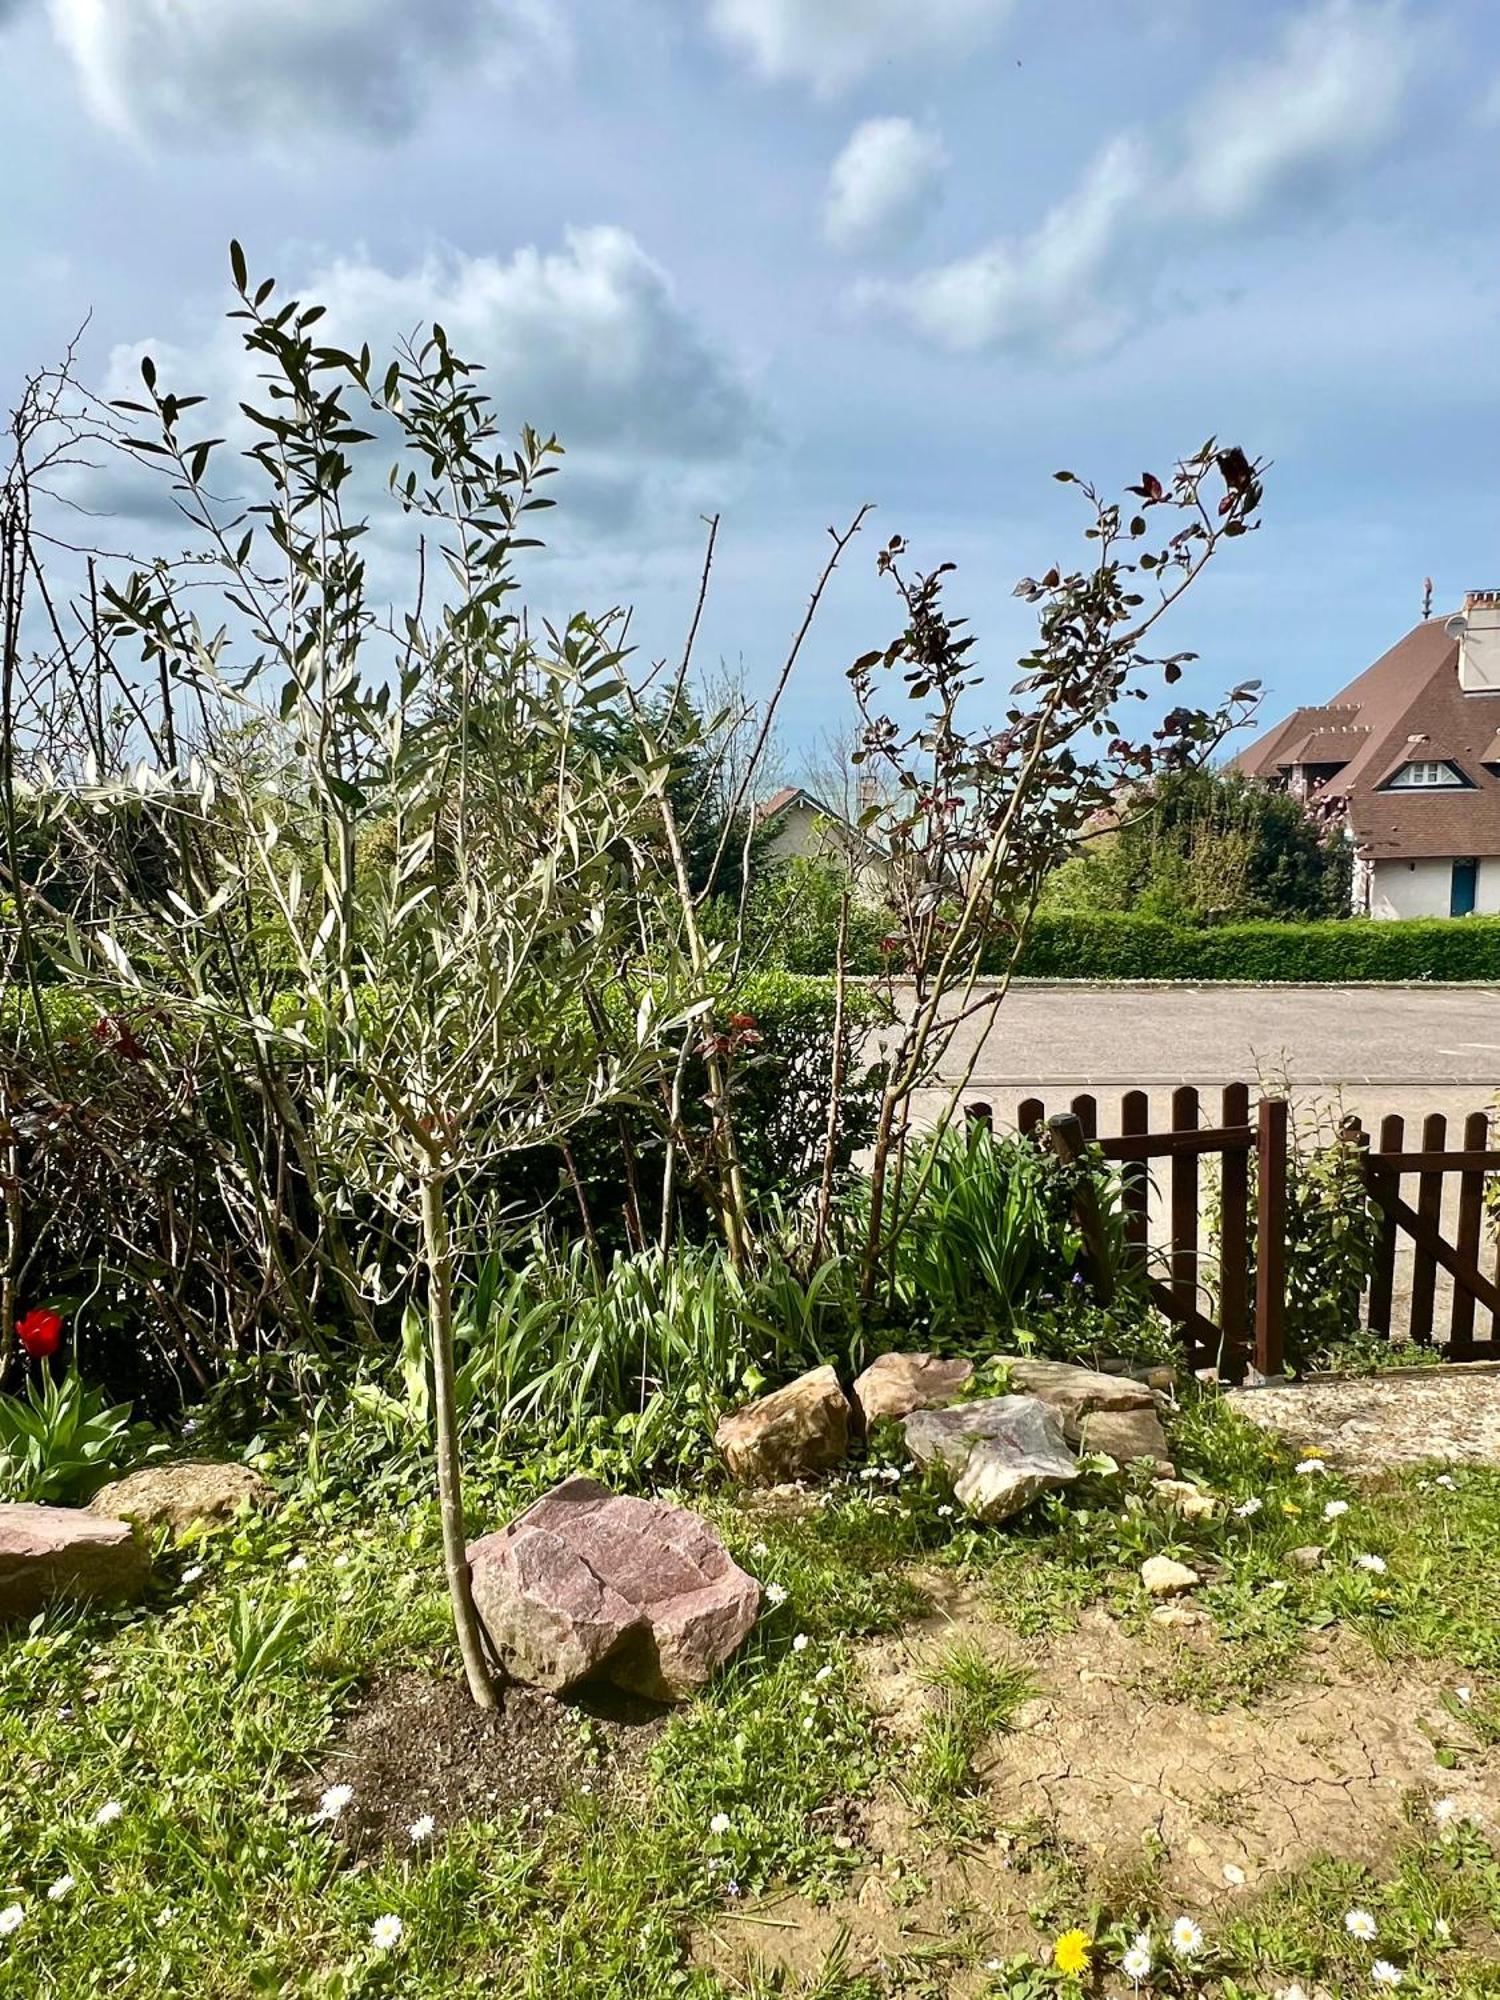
(48, 1552)
(593, 1585)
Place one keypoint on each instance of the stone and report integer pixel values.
(1178, 1617)
(1126, 1435)
(1001, 1454)
(177, 1496)
(791, 1502)
(1165, 1578)
(48, 1552)
(1073, 1393)
(793, 1432)
(1185, 1499)
(591, 1585)
(1309, 1556)
(896, 1384)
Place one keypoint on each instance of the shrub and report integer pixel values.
(60, 1442)
(1109, 946)
(793, 920)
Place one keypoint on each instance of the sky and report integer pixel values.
(773, 259)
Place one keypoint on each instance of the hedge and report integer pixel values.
(1356, 948)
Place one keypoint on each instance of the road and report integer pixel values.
(1410, 1049)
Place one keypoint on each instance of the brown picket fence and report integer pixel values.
(1231, 1309)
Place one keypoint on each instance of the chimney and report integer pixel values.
(1477, 630)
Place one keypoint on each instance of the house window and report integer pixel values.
(1426, 777)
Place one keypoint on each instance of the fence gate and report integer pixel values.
(1385, 1167)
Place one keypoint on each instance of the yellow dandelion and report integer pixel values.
(1290, 1507)
(1071, 1953)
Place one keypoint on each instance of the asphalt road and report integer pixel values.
(1409, 1049)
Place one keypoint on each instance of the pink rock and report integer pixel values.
(589, 1584)
(896, 1384)
(48, 1552)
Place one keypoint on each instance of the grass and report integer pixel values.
(205, 1713)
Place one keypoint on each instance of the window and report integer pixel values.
(1427, 777)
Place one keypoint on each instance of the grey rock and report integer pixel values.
(1073, 1393)
(1001, 1454)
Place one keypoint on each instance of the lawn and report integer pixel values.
(859, 1806)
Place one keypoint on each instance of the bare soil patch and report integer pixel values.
(417, 1746)
(1374, 1423)
(1101, 1785)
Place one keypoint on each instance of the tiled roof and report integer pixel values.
(1406, 708)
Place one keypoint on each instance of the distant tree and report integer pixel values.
(1208, 846)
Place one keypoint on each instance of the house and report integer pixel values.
(1407, 757)
(796, 826)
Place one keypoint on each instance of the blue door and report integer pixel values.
(1465, 891)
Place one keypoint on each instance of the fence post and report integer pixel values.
(1270, 1238)
(1070, 1145)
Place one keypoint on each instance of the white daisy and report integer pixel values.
(1187, 1938)
(801, 1643)
(1334, 1509)
(1384, 1973)
(1360, 1924)
(719, 1823)
(759, 1549)
(945, 1513)
(108, 1813)
(296, 1565)
(1442, 1929)
(333, 1802)
(776, 1595)
(1136, 1964)
(11, 1919)
(63, 1886)
(1375, 1564)
(1312, 1465)
(192, 1573)
(1444, 1810)
(1248, 1507)
(421, 1830)
(385, 1933)
(1445, 1479)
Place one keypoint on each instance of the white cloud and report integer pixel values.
(589, 340)
(1318, 105)
(833, 43)
(283, 68)
(883, 185)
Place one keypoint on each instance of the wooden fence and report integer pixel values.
(1241, 1318)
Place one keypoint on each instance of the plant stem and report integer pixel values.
(438, 1249)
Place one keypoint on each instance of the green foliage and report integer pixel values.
(1108, 946)
(61, 1441)
(793, 919)
(1207, 846)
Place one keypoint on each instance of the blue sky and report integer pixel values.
(778, 257)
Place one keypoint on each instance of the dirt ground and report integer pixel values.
(1101, 1783)
(1374, 1423)
(419, 1747)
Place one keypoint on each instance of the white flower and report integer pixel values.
(719, 1823)
(341, 1560)
(1360, 1924)
(1233, 1875)
(164, 1916)
(421, 1829)
(1465, 1695)
(870, 1472)
(1442, 1929)
(296, 1565)
(944, 1513)
(1312, 1465)
(825, 1672)
(758, 1549)
(11, 1919)
(801, 1643)
(890, 1474)
(1334, 1508)
(333, 1802)
(1248, 1507)
(385, 1933)
(63, 1886)
(108, 1813)
(1444, 1810)
(1384, 1973)
(192, 1573)
(1187, 1939)
(1375, 1564)
(776, 1595)
(1445, 1479)
(1136, 1964)
(1296, 1991)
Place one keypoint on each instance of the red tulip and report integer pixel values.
(39, 1332)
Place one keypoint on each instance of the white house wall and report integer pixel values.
(1425, 888)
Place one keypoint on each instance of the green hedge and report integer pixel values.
(1123, 947)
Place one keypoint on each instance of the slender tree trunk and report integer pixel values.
(438, 1249)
